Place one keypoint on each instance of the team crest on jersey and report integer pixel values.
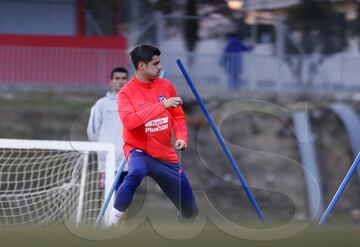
(162, 98)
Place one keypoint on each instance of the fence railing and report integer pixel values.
(210, 71)
(254, 72)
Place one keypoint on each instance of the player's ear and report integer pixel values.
(141, 66)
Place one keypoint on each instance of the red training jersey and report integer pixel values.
(147, 124)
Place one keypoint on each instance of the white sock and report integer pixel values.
(115, 217)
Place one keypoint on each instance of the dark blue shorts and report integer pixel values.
(169, 176)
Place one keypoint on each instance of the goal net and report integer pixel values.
(44, 182)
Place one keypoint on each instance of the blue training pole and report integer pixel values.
(221, 141)
(163, 74)
(340, 189)
(108, 197)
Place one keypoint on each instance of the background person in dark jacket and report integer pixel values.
(232, 60)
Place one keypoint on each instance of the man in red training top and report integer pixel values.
(150, 110)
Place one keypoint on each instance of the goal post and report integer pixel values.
(43, 181)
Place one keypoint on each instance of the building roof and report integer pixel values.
(251, 5)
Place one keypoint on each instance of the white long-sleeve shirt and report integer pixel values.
(105, 126)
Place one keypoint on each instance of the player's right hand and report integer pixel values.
(173, 102)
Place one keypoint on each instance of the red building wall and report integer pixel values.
(38, 59)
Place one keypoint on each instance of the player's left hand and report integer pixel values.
(180, 145)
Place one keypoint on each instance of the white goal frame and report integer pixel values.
(83, 147)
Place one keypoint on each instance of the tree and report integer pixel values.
(206, 10)
(317, 32)
(191, 27)
(354, 25)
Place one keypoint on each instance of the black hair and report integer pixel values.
(119, 70)
(143, 53)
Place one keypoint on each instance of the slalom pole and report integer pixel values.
(340, 189)
(221, 141)
(163, 74)
(108, 196)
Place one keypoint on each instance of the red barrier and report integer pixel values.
(116, 42)
(59, 59)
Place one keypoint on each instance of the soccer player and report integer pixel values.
(150, 110)
(104, 124)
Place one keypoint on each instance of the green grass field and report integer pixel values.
(146, 235)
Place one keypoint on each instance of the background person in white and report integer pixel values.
(104, 123)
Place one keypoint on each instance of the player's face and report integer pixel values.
(152, 69)
(118, 81)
